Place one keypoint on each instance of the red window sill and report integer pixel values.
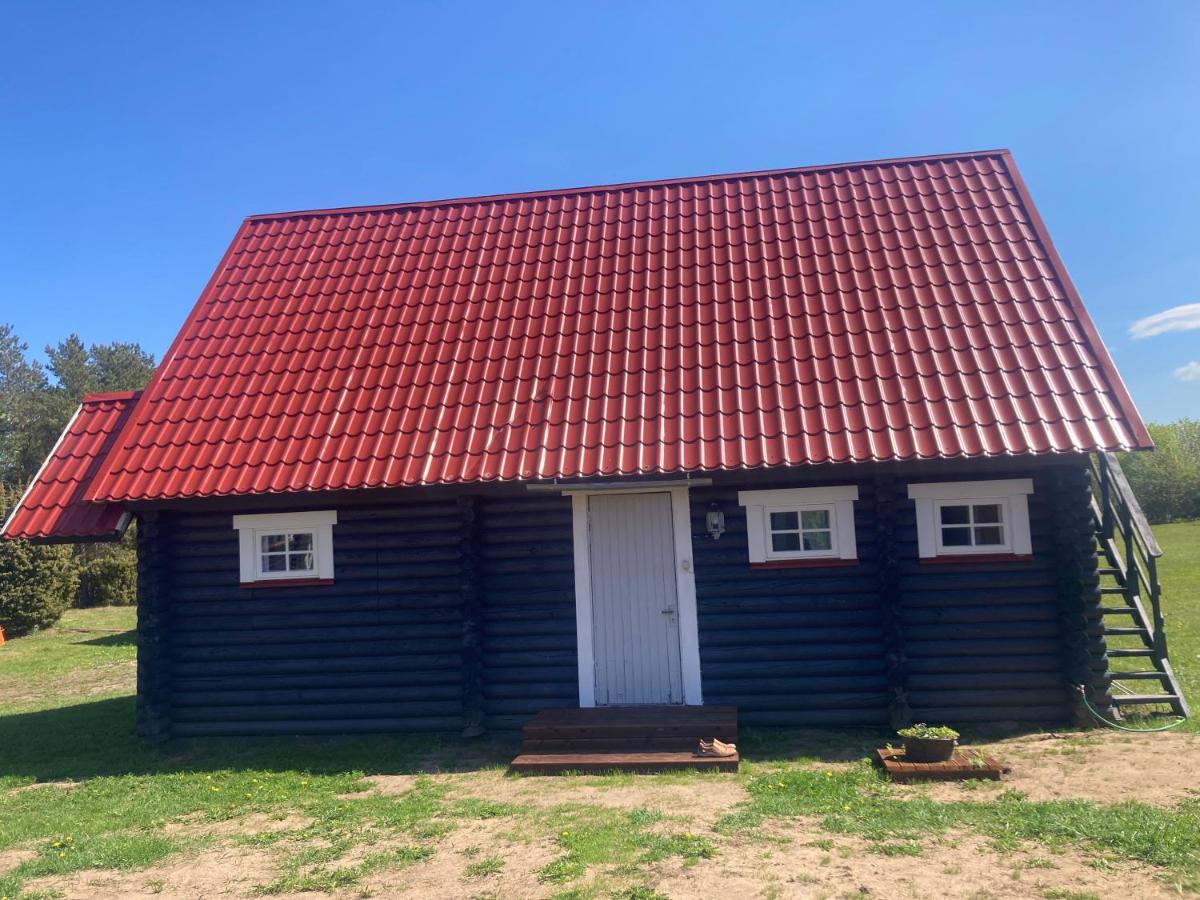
(803, 563)
(286, 582)
(975, 558)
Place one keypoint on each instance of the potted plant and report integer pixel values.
(928, 743)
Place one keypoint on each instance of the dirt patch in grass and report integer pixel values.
(447, 874)
(811, 865)
(103, 680)
(701, 799)
(1101, 766)
(221, 871)
(10, 859)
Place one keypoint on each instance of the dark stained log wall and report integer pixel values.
(528, 569)
(381, 649)
(798, 646)
(454, 610)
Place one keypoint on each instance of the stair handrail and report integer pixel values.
(1123, 526)
(1113, 477)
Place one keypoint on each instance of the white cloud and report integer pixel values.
(1178, 318)
(1190, 372)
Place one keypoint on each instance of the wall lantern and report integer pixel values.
(714, 521)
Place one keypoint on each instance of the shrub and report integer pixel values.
(1166, 480)
(37, 584)
(921, 731)
(109, 578)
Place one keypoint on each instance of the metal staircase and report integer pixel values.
(1131, 596)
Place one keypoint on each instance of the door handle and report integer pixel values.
(669, 612)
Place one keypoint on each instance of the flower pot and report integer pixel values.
(929, 750)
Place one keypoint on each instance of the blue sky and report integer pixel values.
(134, 137)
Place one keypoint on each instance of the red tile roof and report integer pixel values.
(53, 506)
(871, 311)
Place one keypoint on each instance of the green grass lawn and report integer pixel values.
(1179, 571)
(67, 712)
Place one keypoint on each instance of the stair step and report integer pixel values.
(594, 763)
(1124, 629)
(1143, 699)
(608, 744)
(1112, 591)
(1131, 651)
(627, 729)
(1109, 570)
(1147, 675)
(1117, 610)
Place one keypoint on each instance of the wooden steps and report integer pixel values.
(625, 739)
(1128, 572)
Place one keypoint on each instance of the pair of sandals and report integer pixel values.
(716, 748)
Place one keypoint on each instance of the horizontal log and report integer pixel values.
(958, 715)
(992, 699)
(366, 681)
(333, 601)
(263, 698)
(791, 652)
(380, 662)
(813, 718)
(715, 670)
(318, 651)
(390, 725)
(315, 712)
(329, 635)
(827, 700)
(801, 685)
(764, 635)
(347, 617)
(959, 680)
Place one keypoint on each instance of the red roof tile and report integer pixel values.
(871, 311)
(53, 506)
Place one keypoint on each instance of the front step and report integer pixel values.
(1144, 699)
(1140, 676)
(625, 738)
(620, 761)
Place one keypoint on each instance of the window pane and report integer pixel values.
(300, 562)
(989, 534)
(274, 563)
(783, 521)
(274, 543)
(956, 515)
(818, 540)
(814, 518)
(301, 541)
(987, 513)
(956, 537)
(783, 542)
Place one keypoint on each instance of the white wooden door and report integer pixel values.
(635, 600)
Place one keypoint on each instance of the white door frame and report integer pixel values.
(685, 583)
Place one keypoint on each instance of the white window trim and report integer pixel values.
(251, 527)
(839, 501)
(1011, 493)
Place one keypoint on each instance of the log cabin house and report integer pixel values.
(829, 445)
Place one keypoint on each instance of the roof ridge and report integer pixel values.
(625, 185)
(109, 396)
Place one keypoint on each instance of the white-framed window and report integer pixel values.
(286, 546)
(800, 523)
(965, 518)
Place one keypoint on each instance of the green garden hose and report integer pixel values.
(1099, 718)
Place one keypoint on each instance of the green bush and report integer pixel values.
(109, 578)
(1166, 480)
(37, 584)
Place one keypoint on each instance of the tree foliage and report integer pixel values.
(37, 582)
(1166, 480)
